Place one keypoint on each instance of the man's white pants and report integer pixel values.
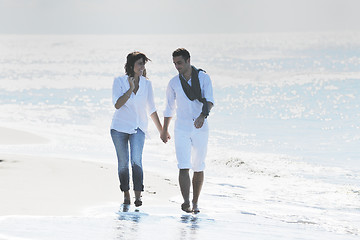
(191, 148)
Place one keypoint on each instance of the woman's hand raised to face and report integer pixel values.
(131, 82)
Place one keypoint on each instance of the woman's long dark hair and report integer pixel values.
(130, 61)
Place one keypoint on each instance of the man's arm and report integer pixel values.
(165, 136)
(199, 122)
(168, 113)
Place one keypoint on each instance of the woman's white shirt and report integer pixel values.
(134, 113)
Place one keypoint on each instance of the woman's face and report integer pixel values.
(139, 67)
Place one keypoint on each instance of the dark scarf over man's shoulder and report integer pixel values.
(194, 91)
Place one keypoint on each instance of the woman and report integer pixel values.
(133, 99)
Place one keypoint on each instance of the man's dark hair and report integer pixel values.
(181, 52)
(130, 62)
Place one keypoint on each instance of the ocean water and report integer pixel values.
(285, 130)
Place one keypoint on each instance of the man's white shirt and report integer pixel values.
(186, 110)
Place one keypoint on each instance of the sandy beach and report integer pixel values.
(62, 198)
(48, 186)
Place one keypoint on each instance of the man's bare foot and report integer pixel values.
(195, 208)
(186, 207)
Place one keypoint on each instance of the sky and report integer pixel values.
(176, 16)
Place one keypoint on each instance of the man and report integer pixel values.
(191, 94)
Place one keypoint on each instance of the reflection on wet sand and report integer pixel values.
(132, 223)
(128, 227)
(189, 227)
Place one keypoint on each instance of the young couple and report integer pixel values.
(190, 94)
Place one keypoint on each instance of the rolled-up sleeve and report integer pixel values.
(117, 91)
(150, 100)
(208, 89)
(170, 101)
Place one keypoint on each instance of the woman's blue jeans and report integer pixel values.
(121, 141)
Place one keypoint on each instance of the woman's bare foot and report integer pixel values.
(127, 198)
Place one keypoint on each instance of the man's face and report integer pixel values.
(181, 65)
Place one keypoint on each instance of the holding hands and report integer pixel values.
(164, 133)
(165, 136)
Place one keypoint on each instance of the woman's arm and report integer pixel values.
(124, 98)
(154, 116)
